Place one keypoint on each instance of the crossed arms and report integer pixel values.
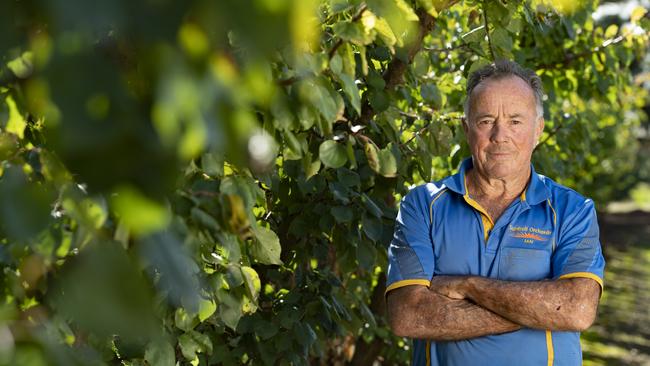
(464, 307)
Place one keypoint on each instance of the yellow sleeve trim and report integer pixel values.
(586, 275)
(403, 283)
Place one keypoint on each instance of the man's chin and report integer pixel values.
(502, 171)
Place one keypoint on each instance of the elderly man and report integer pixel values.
(496, 265)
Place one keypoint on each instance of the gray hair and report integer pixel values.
(501, 69)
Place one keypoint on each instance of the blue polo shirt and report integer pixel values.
(549, 232)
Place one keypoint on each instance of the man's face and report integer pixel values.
(502, 127)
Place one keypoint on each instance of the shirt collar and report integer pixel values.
(536, 191)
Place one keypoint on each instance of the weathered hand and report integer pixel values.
(450, 286)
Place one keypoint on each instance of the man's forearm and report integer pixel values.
(417, 312)
(568, 304)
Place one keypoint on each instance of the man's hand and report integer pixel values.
(417, 312)
(568, 304)
(450, 286)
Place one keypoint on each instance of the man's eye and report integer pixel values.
(516, 122)
(484, 122)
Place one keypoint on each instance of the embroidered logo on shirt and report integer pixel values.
(529, 234)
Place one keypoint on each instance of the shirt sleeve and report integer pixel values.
(578, 252)
(410, 253)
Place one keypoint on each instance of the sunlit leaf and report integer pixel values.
(253, 284)
(194, 342)
(16, 123)
(206, 309)
(139, 213)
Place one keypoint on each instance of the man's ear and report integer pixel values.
(465, 126)
(539, 129)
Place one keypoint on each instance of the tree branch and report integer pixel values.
(551, 134)
(396, 69)
(487, 31)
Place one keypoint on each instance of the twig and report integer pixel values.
(417, 133)
(446, 49)
(551, 134)
(339, 42)
(287, 81)
(487, 31)
(573, 57)
(442, 118)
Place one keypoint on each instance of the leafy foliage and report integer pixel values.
(216, 182)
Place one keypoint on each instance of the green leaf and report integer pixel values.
(336, 64)
(406, 10)
(381, 161)
(371, 206)
(379, 100)
(385, 33)
(184, 321)
(206, 309)
(420, 64)
(348, 177)
(265, 329)
(309, 166)
(332, 154)
(342, 213)
(351, 90)
(245, 188)
(304, 334)
(139, 213)
(372, 154)
(501, 39)
(347, 55)
(253, 284)
(16, 123)
(349, 149)
(212, 164)
(319, 96)
(194, 342)
(233, 276)
(476, 35)
(366, 254)
(375, 80)
(372, 227)
(307, 117)
(431, 94)
(368, 315)
(294, 143)
(22, 66)
(353, 32)
(160, 353)
(266, 249)
(229, 308)
(478, 64)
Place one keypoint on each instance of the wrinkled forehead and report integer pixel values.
(509, 91)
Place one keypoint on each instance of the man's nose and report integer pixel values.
(499, 132)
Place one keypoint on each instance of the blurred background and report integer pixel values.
(215, 182)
